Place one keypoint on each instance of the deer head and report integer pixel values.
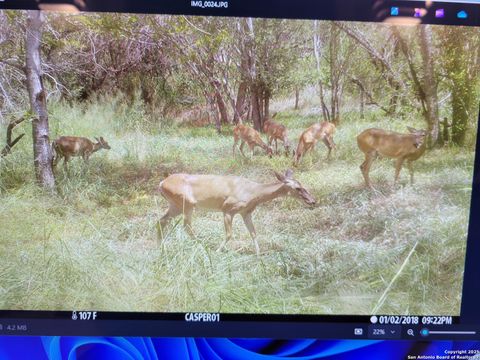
(419, 135)
(295, 188)
(102, 143)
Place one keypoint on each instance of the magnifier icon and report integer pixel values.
(410, 332)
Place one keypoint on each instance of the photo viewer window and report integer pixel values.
(215, 169)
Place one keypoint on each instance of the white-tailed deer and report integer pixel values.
(276, 132)
(409, 147)
(321, 131)
(251, 137)
(67, 147)
(229, 194)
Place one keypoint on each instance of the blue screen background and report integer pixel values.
(50, 348)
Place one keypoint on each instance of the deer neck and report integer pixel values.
(415, 154)
(263, 193)
(420, 150)
(96, 147)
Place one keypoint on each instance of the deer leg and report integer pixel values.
(328, 144)
(247, 219)
(276, 146)
(56, 159)
(235, 142)
(241, 148)
(163, 222)
(86, 157)
(252, 147)
(398, 168)
(366, 165)
(227, 220)
(187, 221)
(410, 169)
(65, 161)
(270, 140)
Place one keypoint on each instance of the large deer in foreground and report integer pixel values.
(251, 137)
(409, 147)
(229, 194)
(321, 131)
(276, 132)
(67, 147)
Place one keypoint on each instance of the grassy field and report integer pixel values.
(94, 245)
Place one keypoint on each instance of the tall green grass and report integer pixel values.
(94, 245)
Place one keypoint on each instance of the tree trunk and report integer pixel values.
(256, 109)
(460, 113)
(214, 111)
(362, 104)
(429, 83)
(222, 108)
(297, 98)
(266, 107)
(240, 102)
(426, 86)
(255, 90)
(42, 151)
(316, 52)
(459, 63)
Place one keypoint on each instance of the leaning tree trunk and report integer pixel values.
(266, 106)
(42, 153)
(429, 83)
(222, 108)
(256, 107)
(11, 143)
(362, 104)
(297, 98)
(240, 103)
(316, 52)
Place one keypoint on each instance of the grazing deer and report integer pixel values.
(70, 146)
(321, 131)
(229, 194)
(277, 132)
(374, 142)
(250, 136)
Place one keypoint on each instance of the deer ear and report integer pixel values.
(96, 139)
(280, 177)
(289, 174)
(412, 130)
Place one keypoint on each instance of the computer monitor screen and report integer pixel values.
(185, 167)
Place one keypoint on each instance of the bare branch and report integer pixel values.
(10, 144)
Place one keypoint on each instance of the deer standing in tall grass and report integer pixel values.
(409, 147)
(321, 131)
(276, 132)
(251, 137)
(67, 147)
(228, 194)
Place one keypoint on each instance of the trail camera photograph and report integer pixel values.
(236, 165)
